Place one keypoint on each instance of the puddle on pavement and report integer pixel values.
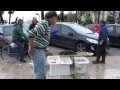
(112, 74)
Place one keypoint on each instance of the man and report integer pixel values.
(34, 22)
(19, 37)
(102, 43)
(39, 38)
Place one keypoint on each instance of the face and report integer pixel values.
(35, 20)
(21, 22)
(52, 20)
(101, 24)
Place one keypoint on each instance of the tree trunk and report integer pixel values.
(42, 15)
(9, 18)
(62, 16)
(1, 17)
(76, 16)
(98, 16)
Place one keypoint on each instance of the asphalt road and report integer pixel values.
(113, 51)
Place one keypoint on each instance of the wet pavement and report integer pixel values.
(109, 70)
(10, 68)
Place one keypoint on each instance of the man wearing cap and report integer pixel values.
(39, 38)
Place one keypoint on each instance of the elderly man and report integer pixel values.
(34, 22)
(39, 38)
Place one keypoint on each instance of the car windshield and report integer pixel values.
(79, 28)
(8, 30)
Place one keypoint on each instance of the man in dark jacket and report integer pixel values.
(19, 37)
(102, 43)
(34, 22)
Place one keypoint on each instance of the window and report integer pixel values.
(110, 29)
(8, 30)
(117, 30)
(56, 27)
(1, 31)
(65, 30)
(79, 28)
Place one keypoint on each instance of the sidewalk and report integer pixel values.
(109, 70)
(13, 69)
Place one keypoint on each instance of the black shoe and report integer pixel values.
(95, 62)
(102, 62)
(22, 60)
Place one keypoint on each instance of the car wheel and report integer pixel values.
(80, 47)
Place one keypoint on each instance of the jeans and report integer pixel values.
(21, 48)
(39, 63)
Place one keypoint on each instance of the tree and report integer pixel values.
(10, 12)
(103, 15)
(62, 16)
(110, 19)
(1, 17)
(97, 16)
(80, 14)
(88, 18)
(42, 15)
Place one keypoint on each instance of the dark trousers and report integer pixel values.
(101, 51)
(21, 48)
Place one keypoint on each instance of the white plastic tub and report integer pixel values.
(80, 64)
(61, 67)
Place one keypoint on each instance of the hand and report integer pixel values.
(30, 50)
(100, 43)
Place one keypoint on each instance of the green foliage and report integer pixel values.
(88, 18)
(110, 19)
(70, 17)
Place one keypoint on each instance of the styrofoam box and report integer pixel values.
(58, 68)
(80, 64)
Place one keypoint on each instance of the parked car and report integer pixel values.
(5, 34)
(93, 27)
(74, 37)
(114, 34)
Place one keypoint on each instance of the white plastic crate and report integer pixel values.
(61, 67)
(80, 64)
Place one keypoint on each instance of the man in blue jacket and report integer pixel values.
(102, 43)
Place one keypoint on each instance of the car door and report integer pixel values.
(1, 37)
(67, 37)
(117, 40)
(111, 34)
(56, 34)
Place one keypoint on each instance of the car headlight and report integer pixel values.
(92, 41)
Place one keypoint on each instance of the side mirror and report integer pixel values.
(70, 34)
